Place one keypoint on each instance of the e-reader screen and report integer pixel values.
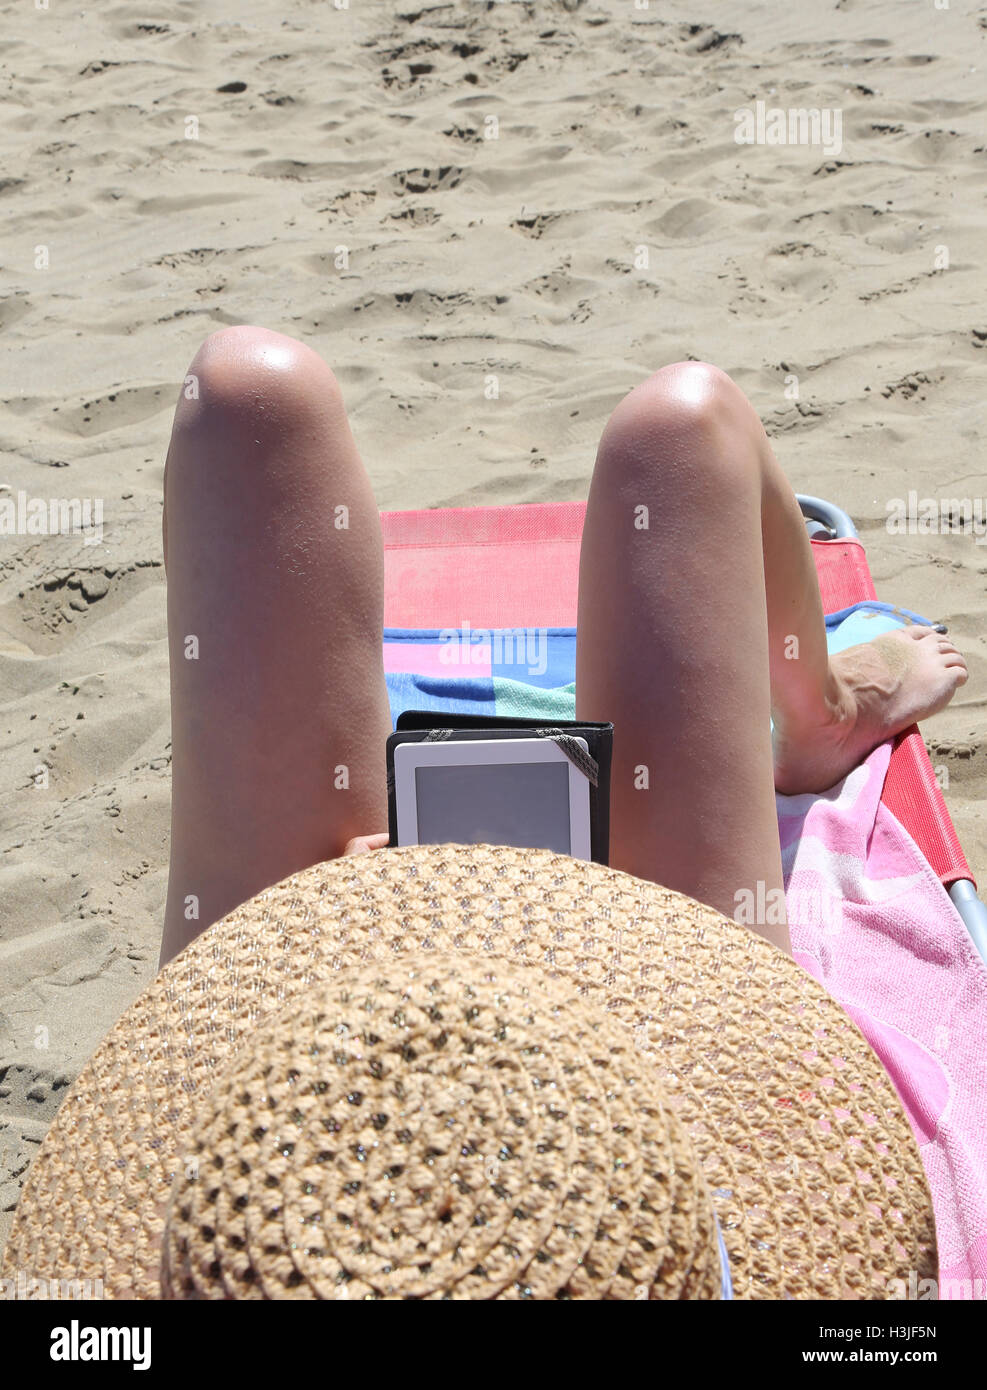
(521, 804)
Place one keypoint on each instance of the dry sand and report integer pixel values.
(363, 128)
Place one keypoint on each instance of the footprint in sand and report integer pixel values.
(127, 405)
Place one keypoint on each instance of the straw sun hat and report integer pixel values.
(478, 1072)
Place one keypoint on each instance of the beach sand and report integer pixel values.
(341, 188)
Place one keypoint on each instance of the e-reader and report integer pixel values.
(525, 792)
(456, 778)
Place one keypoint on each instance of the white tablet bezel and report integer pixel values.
(482, 752)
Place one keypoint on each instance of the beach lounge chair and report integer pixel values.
(512, 566)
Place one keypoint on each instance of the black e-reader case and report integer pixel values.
(414, 726)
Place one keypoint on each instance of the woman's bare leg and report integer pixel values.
(700, 617)
(275, 605)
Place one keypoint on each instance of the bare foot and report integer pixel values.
(878, 689)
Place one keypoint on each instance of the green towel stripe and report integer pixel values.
(515, 700)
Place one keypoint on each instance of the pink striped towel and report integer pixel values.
(872, 922)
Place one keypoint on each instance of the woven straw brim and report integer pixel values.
(814, 1173)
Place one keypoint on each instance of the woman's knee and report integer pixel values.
(683, 392)
(688, 414)
(255, 375)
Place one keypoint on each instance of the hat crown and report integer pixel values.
(440, 1126)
